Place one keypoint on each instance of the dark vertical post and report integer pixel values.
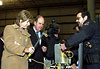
(91, 8)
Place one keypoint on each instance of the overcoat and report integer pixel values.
(15, 40)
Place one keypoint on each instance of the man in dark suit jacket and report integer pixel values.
(35, 35)
(1, 47)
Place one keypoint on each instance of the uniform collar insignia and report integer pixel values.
(86, 22)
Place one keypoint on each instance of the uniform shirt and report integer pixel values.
(90, 32)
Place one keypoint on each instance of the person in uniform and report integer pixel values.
(89, 34)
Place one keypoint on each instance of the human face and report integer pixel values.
(24, 24)
(79, 19)
(39, 24)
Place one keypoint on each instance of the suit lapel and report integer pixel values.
(34, 38)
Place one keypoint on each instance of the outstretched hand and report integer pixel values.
(63, 47)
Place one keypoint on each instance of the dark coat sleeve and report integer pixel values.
(1, 48)
(84, 33)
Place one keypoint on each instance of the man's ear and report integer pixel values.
(85, 18)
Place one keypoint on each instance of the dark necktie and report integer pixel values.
(37, 35)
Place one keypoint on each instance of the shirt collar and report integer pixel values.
(35, 29)
(2, 39)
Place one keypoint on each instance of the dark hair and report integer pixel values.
(24, 15)
(37, 17)
(84, 13)
(52, 28)
(1, 34)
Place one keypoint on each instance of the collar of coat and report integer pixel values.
(87, 22)
(24, 31)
